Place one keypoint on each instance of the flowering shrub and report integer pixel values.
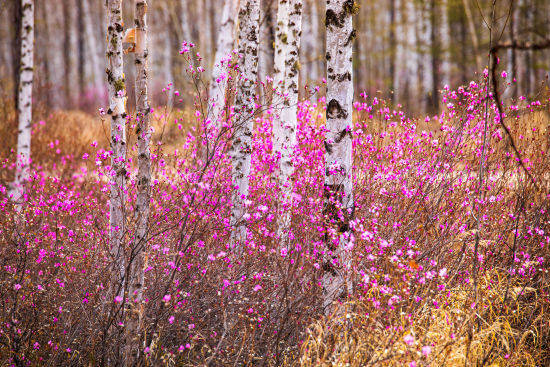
(450, 233)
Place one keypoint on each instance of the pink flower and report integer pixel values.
(426, 350)
(118, 299)
(17, 287)
(166, 298)
(408, 339)
(171, 319)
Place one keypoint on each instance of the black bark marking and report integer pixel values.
(334, 110)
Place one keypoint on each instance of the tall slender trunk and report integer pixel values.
(267, 40)
(184, 19)
(24, 102)
(226, 39)
(167, 73)
(5, 48)
(393, 50)
(512, 55)
(427, 48)
(17, 15)
(411, 73)
(435, 53)
(68, 50)
(117, 114)
(445, 44)
(315, 55)
(46, 54)
(92, 43)
(463, 49)
(285, 127)
(241, 146)
(281, 44)
(473, 33)
(80, 47)
(143, 134)
(338, 206)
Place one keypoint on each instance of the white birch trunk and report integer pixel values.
(445, 45)
(117, 114)
(167, 57)
(143, 134)
(315, 69)
(281, 45)
(91, 50)
(185, 29)
(285, 127)
(226, 39)
(473, 33)
(399, 52)
(411, 74)
(338, 206)
(22, 171)
(70, 50)
(427, 83)
(241, 146)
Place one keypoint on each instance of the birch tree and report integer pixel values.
(241, 145)
(166, 58)
(284, 129)
(338, 205)
(69, 39)
(92, 46)
(17, 15)
(281, 44)
(426, 59)
(24, 102)
(223, 50)
(117, 114)
(143, 134)
(310, 51)
(473, 33)
(184, 20)
(445, 44)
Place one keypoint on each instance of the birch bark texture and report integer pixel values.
(224, 47)
(241, 145)
(92, 43)
(117, 114)
(24, 100)
(281, 44)
(143, 134)
(338, 204)
(286, 126)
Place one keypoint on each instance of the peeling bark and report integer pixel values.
(281, 44)
(143, 133)
(117, 115)
(284, 128)
(338, 202)
(224, 47)
(241, 145)
(24, 102)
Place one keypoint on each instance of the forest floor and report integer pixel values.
(471, 295)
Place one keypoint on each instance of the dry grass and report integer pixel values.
(507, 326)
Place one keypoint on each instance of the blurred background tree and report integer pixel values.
(405, 50)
